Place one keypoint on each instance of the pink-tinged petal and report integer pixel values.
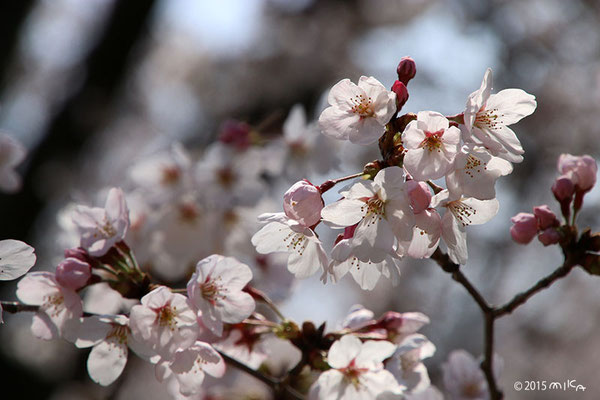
(368, 130)
(426, 235)
(213, 363)
(373, 352)
(16, 258)
(424, 165)
(34, 287)
(42, 327)
(512, 105)
(271, 238)
(233, 274)
(477, 99)
(371, 86)
(360, 190)
(273, 217)
(338, 123)
(433, 120)
(117, 212)
(413, 135)
(343, 351)
(89, 331)
(385, 106)
(107, 361)
(345, 212)
(237, 307)
(342, 93)
(141, 321)
(507, 138)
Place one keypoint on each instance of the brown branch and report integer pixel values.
(545, 282)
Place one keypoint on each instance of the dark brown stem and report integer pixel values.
(325, 186)
(543, 283)
(278, 386)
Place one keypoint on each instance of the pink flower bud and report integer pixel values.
(78, 253)
(402, 323)
(407, 69)
(419, 195)
(73, 273)
(581, 169)
(524, 229)
(235, 134)
(549, 236)
(563, 188)
(545, 217)
(401, 94)
(302, 202)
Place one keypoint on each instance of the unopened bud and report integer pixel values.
(401, 94)
(563, 188)
(549, 236)
(524, 229)
(581, 169)
(236, 134)
(407, 69)
(419, 195)
(73, 273)
(303, 203)
(545, 217)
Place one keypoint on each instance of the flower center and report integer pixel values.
(225, 177)
(53, 304)
(165, 316)
(474, 166)
(487, 118)
(352, 373)
(296, 242)
(170, 175)
(119, 332)
(433, 141)
(211, 290)
(461, 211)
(374, 206)
(363, 106)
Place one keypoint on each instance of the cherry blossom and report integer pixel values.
(58, 305)
(282, 234)
(189, 365)
(164, 322)
(460, 213)
(101, 228)
(525, 227)
(464, 379)
(215, 290)
(407, 362)
(303, 203)
(358, 113)
(487, 117)
(431, 145)
(12, 153)
(73, 273)
(475, 173)
(382, 211)
(581, 170)
(356, 371)
(109, 337)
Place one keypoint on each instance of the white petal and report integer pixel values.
(107, 361)
(373, 239)
(512, 105)
(373, 352)
(343, 351)
(16, 258)
(477, 99)
(342, 213)
(341, 94)
(485, 210)
(338, 123)
(271, 238)
(368, 130)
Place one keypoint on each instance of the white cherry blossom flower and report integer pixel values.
(365, 273)
(109, 337)
(12, 153)
(464, 379)
(426, 235)
(58, 305)
(188, 367)
(460, 213)
(358, 113)
(164, 322)
(487, 117)
(431, 146)
(382, 211)
(215, 289)
(407, 362)
(101, 228)
(282, 234)
(356, 371)
(16, 258)
(475, 173)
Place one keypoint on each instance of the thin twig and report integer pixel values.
(543, 283)
(325, 186)
(277, 385)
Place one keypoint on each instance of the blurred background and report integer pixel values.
(92, 87)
